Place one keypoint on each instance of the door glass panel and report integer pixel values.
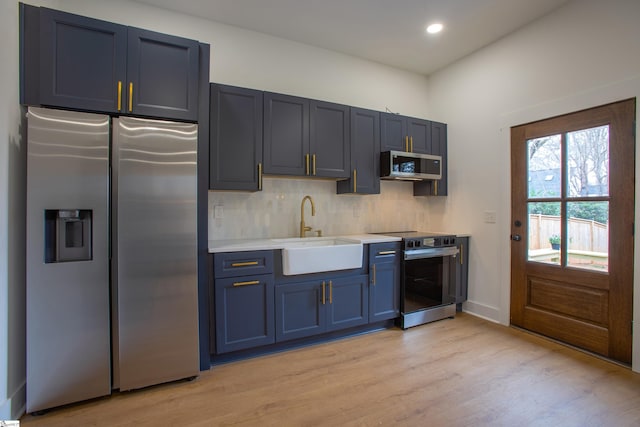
(544, 232)
(588, 162)
(588, 232)
(544, 180)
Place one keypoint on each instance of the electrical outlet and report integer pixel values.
(218, 212)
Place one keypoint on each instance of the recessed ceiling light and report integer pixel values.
(434, 28)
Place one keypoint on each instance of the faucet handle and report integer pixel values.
(318, 233)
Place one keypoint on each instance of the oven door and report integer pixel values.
(425, 278)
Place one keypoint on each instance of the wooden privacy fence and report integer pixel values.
(584, 235)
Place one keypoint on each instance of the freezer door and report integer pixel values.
(154, 194)
(68, 337)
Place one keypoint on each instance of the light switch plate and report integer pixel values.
(490, 217)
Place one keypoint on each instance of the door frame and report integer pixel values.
(540, 111)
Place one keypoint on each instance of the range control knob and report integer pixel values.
(410, 244)
(418, 244)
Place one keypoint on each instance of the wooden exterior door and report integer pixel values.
(572, 228)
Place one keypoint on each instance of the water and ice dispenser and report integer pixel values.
(68, 234)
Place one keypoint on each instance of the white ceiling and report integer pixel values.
(391, 32)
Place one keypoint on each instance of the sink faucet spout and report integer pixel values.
(303, 227)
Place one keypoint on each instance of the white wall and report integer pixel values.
(12, 222)
(583, 55)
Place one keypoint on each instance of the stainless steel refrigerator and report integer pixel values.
(111, 255)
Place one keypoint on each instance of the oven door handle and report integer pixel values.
(431, 253)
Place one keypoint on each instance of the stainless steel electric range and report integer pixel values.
(426, 291)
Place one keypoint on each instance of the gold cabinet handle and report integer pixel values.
(386, 252)
(461, 253)
(119, 95)
(330, 292)
(373, 279)
(314, 165)
(260, 176)
(130, 96)
(406, 143)
(244, 264)
(411, 144)
(355, 181)
(306, 156)
(251, 282)
(323, 293)
(435, 188)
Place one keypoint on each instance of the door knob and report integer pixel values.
(516, 237)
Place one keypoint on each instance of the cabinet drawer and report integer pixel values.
(234, 264)
(384, 252)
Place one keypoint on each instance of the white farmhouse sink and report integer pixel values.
(316, 254)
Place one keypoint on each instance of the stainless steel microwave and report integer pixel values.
(401, 165)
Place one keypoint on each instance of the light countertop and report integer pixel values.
(239, 245)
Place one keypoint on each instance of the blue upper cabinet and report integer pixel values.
(419, 131)
(235, 140)
(329, 140)
(162, 75)
(304, 137)
(365, 154)
(401, 133)
(438, 187)
(75, 62)
(393, 132)
(286, 135)
(81, 61)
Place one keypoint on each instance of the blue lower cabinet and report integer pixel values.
(348, 303)
(309, 308)
(384, 281)
(300, 310)
(244, 312)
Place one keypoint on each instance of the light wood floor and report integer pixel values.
(461, 372)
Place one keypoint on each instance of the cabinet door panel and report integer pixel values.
(244, 312)
(419, 135)
(393, 132)
(365, 153)
(81, 61)
(348, 302)
(438, 147)
(300, 311)
(235, 138)
(164, 72)
(459, 271)
(286, 134)
(329, 140)
(384, 281)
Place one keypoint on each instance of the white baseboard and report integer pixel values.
(15, 406)
(483, 311)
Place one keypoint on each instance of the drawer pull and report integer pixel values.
(244, 264)
(323, 293)
(252, 282)
(387, 253)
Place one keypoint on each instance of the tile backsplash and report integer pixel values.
(274, 212)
